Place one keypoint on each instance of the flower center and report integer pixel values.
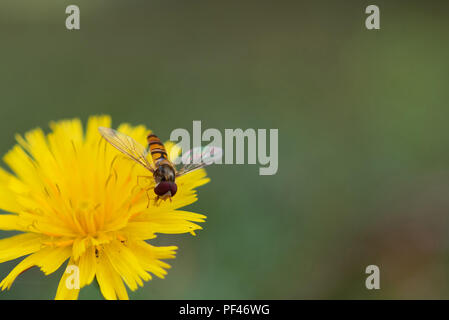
(87, 217)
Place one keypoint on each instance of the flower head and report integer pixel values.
(75, 198)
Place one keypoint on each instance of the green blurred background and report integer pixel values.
(363, 138)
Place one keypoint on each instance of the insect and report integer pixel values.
(163, 170)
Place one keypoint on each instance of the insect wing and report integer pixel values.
(198, 158)
(127, 146)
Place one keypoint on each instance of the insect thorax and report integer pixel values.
(164, 172)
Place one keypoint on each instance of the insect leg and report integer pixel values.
(137, 184)
(149, 199)
(156, 200)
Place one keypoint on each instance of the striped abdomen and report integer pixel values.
(157, 150)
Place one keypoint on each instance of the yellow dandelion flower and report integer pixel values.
(74, 197)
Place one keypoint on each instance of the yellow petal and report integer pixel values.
(173, 150)
(79, 247)
(67, 289)
(193, 179)
(125, 263)
(87, 266)
(20, 245)
(92, 135)
(35, 143)
(138, 231)
(165, 222)
(23, 166)
(149, 256)
(111, 285)
(48, 259)
(8, 201)
(10, 222)
(138, 133)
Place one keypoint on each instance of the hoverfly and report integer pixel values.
(163, 170)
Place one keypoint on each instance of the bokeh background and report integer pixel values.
(363, 133)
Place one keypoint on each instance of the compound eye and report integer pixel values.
(173, 188)
(162, 188)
